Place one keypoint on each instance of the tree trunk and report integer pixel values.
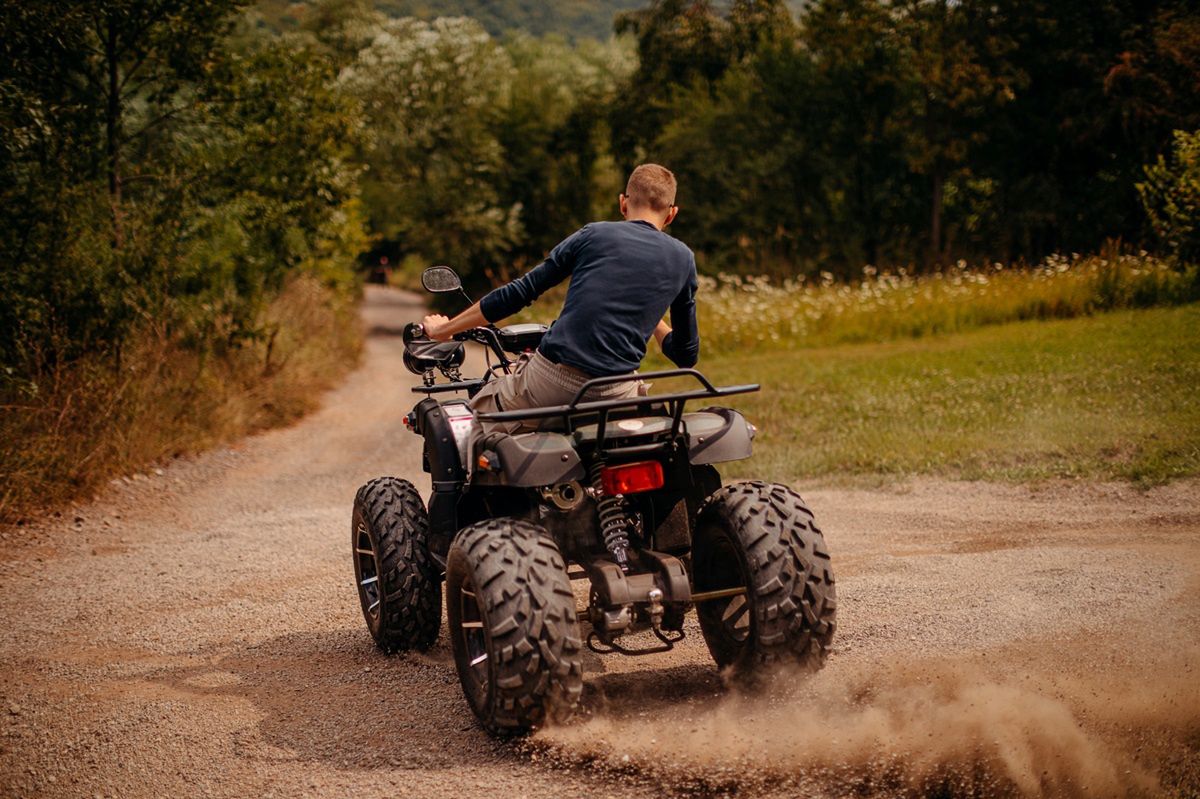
(112, 129)
(935, 221)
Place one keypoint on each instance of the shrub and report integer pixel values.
(1171, 197)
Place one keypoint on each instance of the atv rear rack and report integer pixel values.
(576, 408)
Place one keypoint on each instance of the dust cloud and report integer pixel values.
(943, 727)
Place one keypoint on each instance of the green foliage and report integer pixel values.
(907, 133)
(912, 133)
(477, 154)
(164, 178)
(432, 94)
(1171, 196)
(554, 138)
(167, 181)
(575, 19)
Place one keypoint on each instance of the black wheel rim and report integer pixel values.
(724, 570)
(367, 571)
(474, 644)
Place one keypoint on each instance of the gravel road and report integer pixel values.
(195, 632)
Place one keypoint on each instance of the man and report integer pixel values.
(624, 278)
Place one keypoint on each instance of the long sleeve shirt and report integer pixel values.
(624, 278)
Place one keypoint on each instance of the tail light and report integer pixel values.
(630, 478)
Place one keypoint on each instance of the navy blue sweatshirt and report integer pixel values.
(624, 277)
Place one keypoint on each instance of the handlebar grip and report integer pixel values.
(413, 331)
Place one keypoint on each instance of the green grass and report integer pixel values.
(1112, 396)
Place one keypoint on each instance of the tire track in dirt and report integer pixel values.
(196, 633)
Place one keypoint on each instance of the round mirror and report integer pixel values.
(439, 279)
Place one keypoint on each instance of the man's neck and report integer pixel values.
(649, 217)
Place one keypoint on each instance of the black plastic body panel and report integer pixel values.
(446, 469)
(532, 460)
(710, 441)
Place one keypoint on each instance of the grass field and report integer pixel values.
(1111, 396)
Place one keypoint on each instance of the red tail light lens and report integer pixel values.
(630, 478)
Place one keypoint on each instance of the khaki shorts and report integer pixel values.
(537, 381)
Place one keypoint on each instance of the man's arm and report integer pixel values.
(661, 331)
(514, 295)
(680, 341)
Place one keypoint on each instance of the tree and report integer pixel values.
(432, 94)
(861, 78)
(148, 51)
(959, 76)
(1171, 196)
(679, 42)
(92, 90)
(185, 195)
(554, 133)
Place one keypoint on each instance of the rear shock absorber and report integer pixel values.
(613, 522)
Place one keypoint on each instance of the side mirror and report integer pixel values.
(440, 279)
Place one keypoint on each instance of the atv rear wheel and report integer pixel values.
(764, 538)
(398, 584)
(512, 625)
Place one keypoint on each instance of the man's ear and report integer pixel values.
(671, 214)
(623, 202)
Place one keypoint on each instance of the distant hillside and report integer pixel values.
(574, 19)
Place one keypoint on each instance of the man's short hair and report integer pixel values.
(651, 186)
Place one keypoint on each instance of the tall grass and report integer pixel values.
(70, 430)
(738, 314)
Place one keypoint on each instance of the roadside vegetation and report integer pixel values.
(93, 419)
(179, 222)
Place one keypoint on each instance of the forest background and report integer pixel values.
(192, 191)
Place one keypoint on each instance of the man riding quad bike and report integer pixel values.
(561, 467)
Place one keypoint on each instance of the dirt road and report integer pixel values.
(196, 633)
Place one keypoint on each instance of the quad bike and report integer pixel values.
(621, 493)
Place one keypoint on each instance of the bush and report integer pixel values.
(89, 420)
(1171, 197)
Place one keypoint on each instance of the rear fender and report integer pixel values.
(717, 434)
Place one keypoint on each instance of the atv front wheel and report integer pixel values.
(513, 625)
(398, 583)
(763, 538)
